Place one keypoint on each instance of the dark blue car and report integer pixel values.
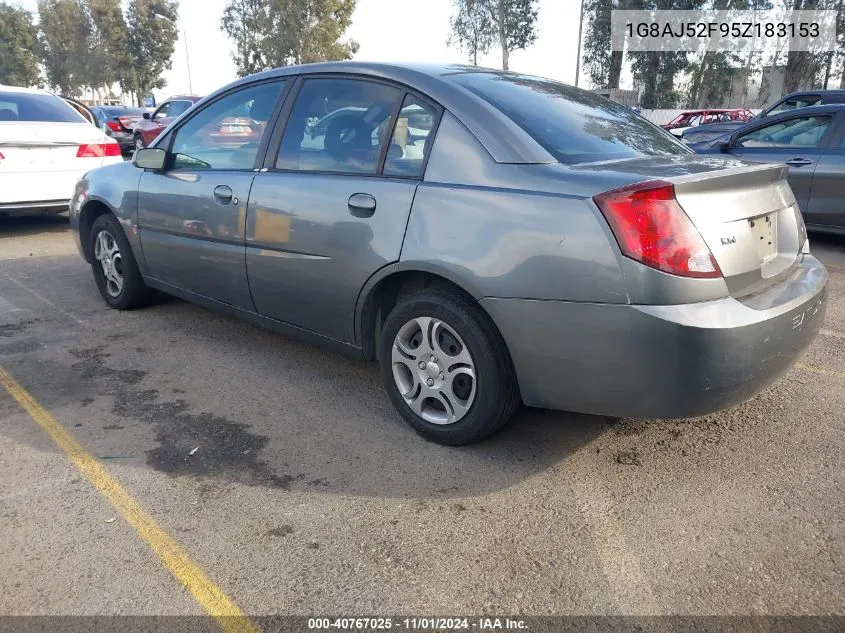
(811, 141)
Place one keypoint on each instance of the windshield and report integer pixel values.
(574, 125)
(27, 106)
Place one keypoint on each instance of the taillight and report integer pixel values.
(652, 228)
(98, 150)
(114, 126)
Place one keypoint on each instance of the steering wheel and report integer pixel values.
(346, 135)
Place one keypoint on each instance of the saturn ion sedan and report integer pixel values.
(488, 237)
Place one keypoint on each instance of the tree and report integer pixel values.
(801, 66)
(64, 34)
(603, 66)
(152, 35)
(325, 23)
(514, 22)
(244, 21)
(109, 60)
(471, 29)
(18, 48)
(273, 33)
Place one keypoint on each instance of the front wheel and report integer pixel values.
(446, 368)
(139, 142)
(113, 264)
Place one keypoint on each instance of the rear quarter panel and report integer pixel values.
(504, 230)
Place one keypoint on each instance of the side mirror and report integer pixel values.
(147, 116)
(724, 146)
(152, 158)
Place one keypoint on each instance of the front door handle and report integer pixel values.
(798, 162)
(222, 194)
(362, 205)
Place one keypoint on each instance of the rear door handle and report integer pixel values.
(362, 205)
(222, 194)
(798, 162)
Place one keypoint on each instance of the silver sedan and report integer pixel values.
(488, 237)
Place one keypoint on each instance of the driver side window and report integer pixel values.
(338, 125)
(226, 133)
(161, 112)
(806, 131)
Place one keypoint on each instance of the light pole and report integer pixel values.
(185, 37)
(578, 53)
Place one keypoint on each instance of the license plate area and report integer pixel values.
(764, 232)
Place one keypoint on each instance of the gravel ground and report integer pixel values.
(307, 494)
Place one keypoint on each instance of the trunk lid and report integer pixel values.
(43, 147)
(746, 212)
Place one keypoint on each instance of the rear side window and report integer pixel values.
(18, 106)
(575, 126)
(412, 137)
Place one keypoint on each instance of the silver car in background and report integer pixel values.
(488, 237)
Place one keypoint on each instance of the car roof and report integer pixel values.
(814, 109)
(798, 93)
(21, 89)
(502, 137)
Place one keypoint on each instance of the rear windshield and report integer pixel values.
(574, 125)
(24, 106)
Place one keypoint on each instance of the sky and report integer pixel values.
(387, 30)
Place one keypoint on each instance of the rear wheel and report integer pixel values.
(446, 368)
(113, 264)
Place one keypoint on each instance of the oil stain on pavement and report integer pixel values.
(198, 444)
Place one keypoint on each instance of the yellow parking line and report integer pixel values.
(186, 571)
(820, 370)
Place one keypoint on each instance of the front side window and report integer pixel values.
(178, 107)
(798, 132)
(338, 125)
(573, 125)
(225, 134)
(161, 112)
(410, 141)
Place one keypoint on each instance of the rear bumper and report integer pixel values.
(660, 361)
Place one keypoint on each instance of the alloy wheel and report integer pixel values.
(107, 252)
(433, 370)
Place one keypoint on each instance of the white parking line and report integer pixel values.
(45, 300)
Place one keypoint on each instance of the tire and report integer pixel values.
(468, 391)
(139, 142)
(113, 264)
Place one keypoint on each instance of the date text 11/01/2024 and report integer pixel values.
(418, 624)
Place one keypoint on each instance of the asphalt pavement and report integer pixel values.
(283, 473)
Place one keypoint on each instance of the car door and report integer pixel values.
(798, 141)
(825, 207)
(192, 215)
(332, 206)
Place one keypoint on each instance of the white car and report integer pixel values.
(45, 147)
